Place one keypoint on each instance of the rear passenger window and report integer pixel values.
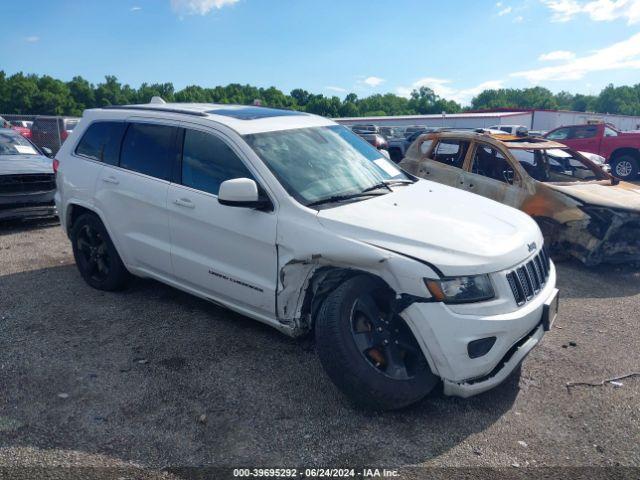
(149, 149)
(101, 142)
(451, 152)
(207, 162)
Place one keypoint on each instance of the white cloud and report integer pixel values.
(619, 56)
(135, 9)
(597, 10)
(335, 89)
(403, 91)
(557, 55)
(32, 39)
(373, 81)
(442, 88)
(518, 19)
(505, 11)
(199, 7)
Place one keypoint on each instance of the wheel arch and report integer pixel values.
(634, 152)
(322, 282)
(550, 228)
(74, 210)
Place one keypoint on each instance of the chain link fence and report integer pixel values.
(46, 131)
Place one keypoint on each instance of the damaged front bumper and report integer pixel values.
(605, 236)
(501, 372)
(445, 336)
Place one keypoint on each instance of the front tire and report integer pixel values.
(96, 256)
(625, 167)
(368, 350)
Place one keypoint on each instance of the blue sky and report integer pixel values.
(329, 46)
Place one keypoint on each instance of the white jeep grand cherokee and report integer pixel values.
(295, 221)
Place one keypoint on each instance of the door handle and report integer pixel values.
(113, 180)
(184, 202)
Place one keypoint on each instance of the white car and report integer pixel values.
(511, 129)
(295, 221)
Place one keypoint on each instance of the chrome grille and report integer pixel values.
(527, 280)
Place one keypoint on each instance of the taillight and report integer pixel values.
(63, 135)
(56, 164)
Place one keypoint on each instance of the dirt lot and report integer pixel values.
(157, 379)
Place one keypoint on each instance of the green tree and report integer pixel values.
(111, 92)
(83, 95)
(148, 91)
(20, 91)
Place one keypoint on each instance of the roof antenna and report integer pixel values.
(157, 100)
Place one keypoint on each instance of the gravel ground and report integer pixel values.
(154, 381)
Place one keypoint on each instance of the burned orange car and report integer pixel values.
(582, 210)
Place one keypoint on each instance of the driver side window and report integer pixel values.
(207, 161)
(489, 162)
(559, 134)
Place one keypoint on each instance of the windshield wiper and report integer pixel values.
(400, 182)
(377, 186)
(387, 184)
(341, 198)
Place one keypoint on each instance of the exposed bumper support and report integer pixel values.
(501, 373)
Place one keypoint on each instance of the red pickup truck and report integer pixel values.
(620, 149)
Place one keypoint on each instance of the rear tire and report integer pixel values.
(96, 256)
(625, 167)
(368, 350)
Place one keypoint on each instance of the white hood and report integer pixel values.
(456, 231)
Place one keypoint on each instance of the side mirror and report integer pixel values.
(241, 192)
(47, 151)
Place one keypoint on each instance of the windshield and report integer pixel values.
(557, 165)
(14, 144)
(318, 163)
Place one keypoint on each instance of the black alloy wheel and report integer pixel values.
(94, 253)
(383, 338)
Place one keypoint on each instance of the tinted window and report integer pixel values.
(102, 141)
(148, 149)
(253, 113)
(588, 131)
(489, 162)
(451, 152)
(207, 162)
(560, 134)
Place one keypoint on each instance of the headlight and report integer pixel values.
(461, 289)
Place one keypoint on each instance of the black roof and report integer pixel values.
(253, 113)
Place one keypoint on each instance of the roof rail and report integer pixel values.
(155, 109)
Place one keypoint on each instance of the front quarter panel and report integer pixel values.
(302, 250)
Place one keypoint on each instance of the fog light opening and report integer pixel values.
(480, 347)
